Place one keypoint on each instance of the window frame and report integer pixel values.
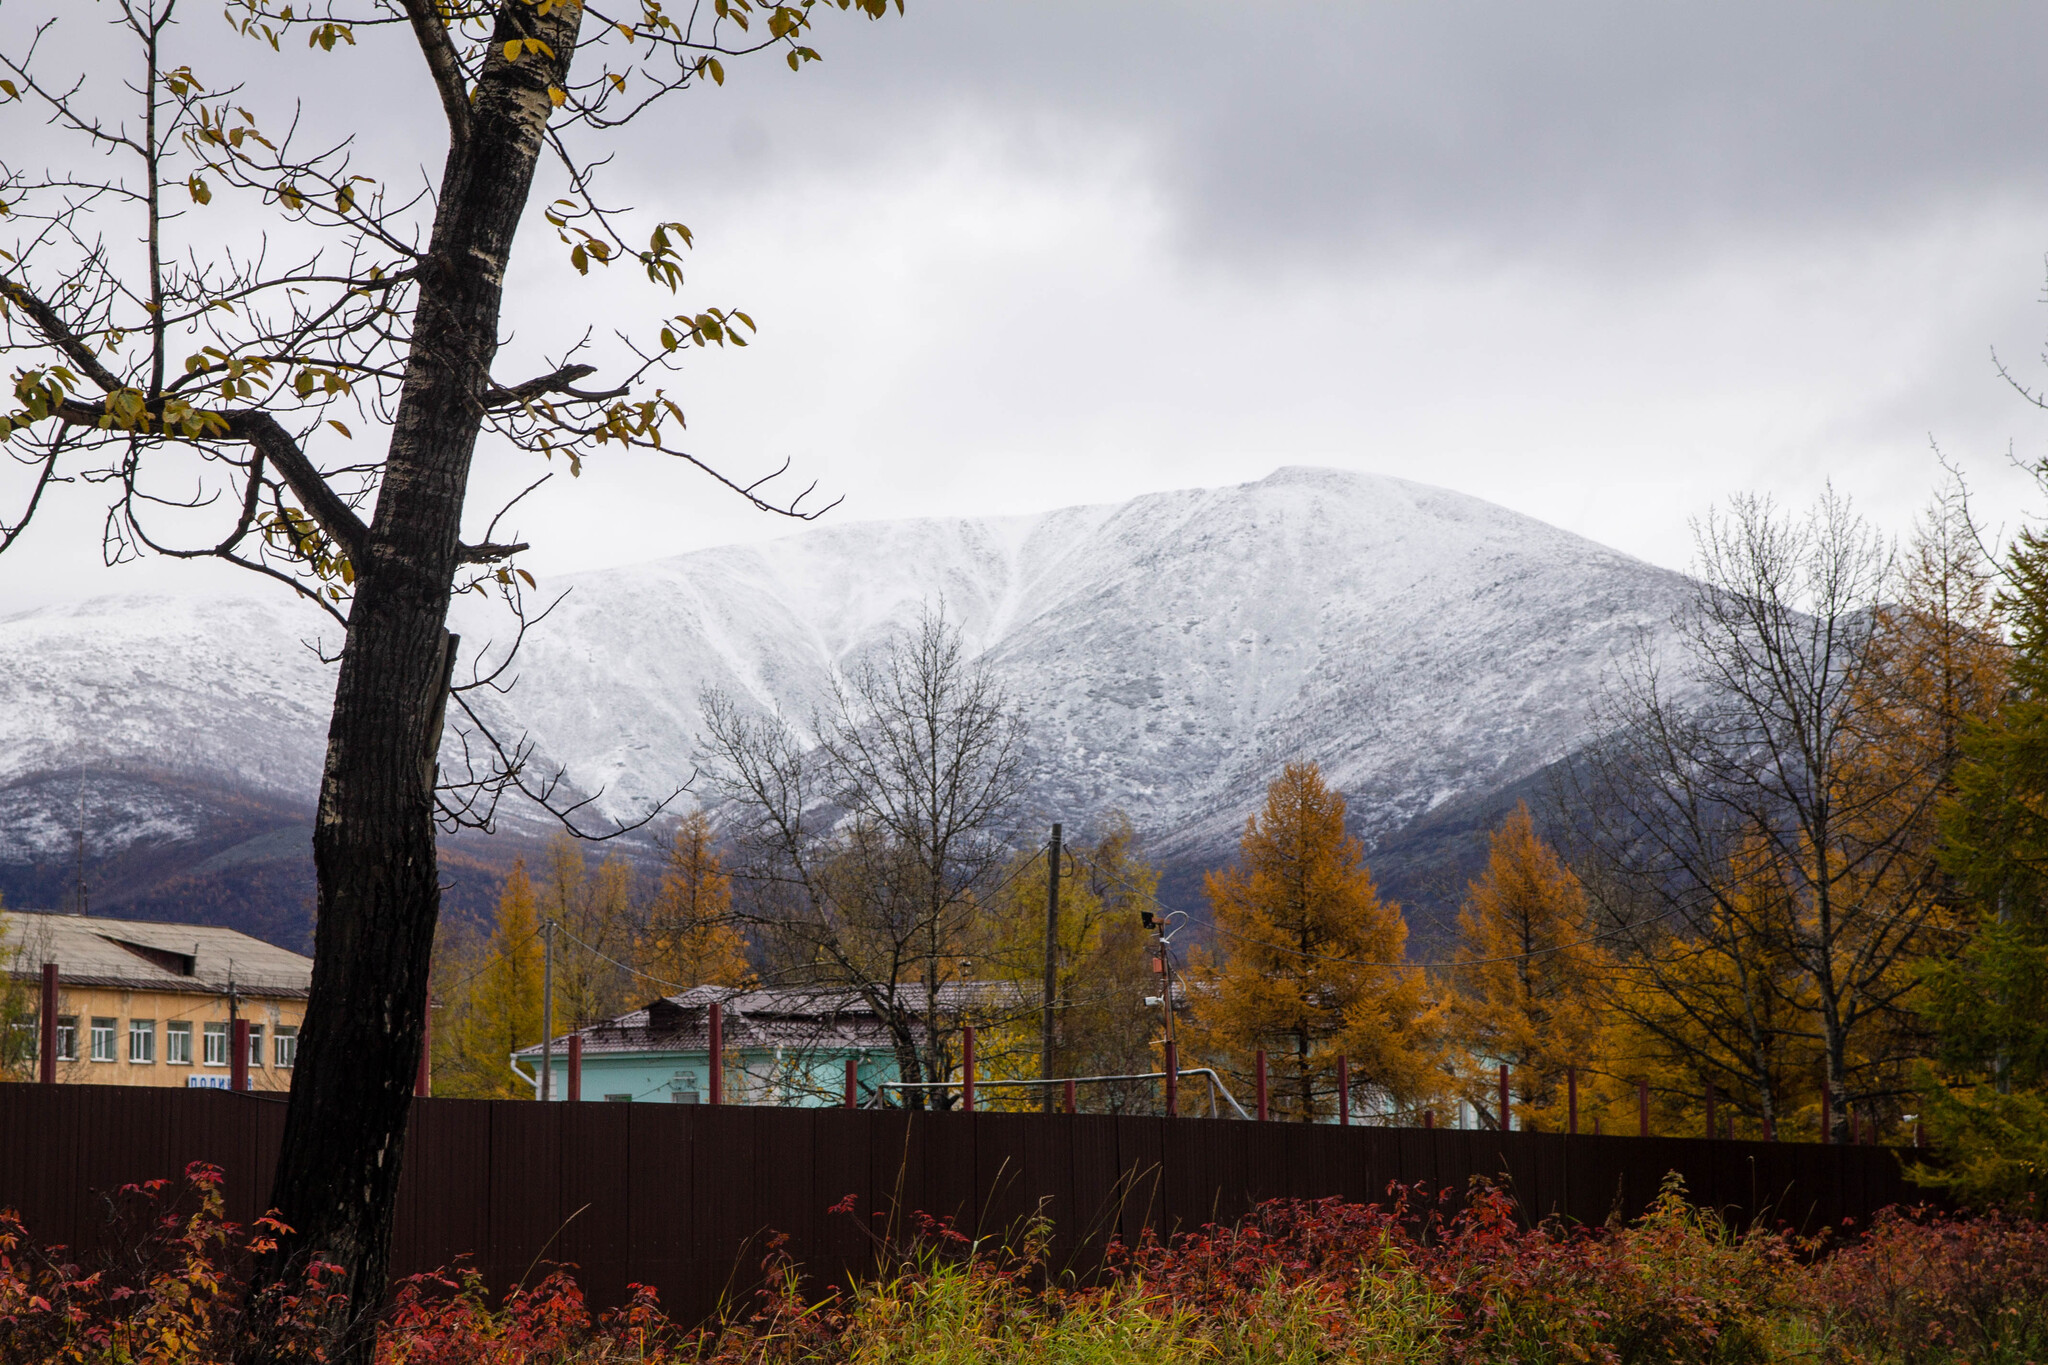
(106, 1029)
(144, 1032)
(217, 1043)
(176, 1031)
(256, 1046)
(67, 1037)
(285, 1046)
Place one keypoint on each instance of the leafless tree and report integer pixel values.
(865, 855)
(1765, 842)
(202, 293)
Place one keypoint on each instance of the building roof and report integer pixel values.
(149, 955)
(792, 1018)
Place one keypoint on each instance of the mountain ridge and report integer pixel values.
(1169, 653)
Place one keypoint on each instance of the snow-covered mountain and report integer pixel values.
(1169, 654)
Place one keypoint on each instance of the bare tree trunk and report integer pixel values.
(374, 842)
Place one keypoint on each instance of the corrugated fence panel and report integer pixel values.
(686, 1197)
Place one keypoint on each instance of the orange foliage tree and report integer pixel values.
(1310, 964)
(1527, 987)
(688, 937)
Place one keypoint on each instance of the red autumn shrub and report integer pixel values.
(1926, 1286)
(173, 1289)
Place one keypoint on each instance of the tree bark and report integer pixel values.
(374, 840)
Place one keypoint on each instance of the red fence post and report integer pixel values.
(238, 1056)
(1343, 1091)
(1172, 1079)
(1711, 1131)
(714, 1089)
(1642, 1108)
(575, 1067)
(46, 1057)
(1770, 1129)
(853, 1082)
(1506, 1118)
(1429, 1118)
(1261, 1089)
(423, 1074)
(1571, 1100)
(1827, 1113)
(967, 1070)
(1070, 1096)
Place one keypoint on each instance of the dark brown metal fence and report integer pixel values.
(682, 1197)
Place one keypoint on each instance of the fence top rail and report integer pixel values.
(980, 1084)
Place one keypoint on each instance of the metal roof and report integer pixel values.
(792, 1018)
(150, 955)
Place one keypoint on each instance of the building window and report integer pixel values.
(255, 1045)
(178, 1043)
(216, 1039)
(142, 1040)
(103, 1040)
(287, 1046)
(67, 1037)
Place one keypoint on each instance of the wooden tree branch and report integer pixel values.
(561, 381)
(490, 553)
(322, 503)
(60, 335)
(444, 64)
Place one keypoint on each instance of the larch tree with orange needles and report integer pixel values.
(1309, 963)
(1529, 977)
(689, 938)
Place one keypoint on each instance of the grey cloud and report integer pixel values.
(1588, 126)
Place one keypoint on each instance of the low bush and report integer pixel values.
(1414, 1279)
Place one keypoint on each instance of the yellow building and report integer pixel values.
(145, 1003)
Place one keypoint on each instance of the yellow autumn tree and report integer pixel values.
(487, 993)
(688, 937)
(1527, 984)
(1309, 964)
(1723, 1005)
(594, 939)
(1101, 973)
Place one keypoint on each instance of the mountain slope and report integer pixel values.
(1169, 654)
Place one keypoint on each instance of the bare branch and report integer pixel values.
(446, 66)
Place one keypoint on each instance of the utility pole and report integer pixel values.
(547, 1009)
(1052, 952)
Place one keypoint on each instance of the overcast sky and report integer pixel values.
(1602, 263)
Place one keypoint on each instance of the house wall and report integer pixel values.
(84, 1004)
(816, 1079)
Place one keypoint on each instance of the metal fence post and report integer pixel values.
(423, 1074)
(853, 1082)
(1072, 1108)
(1710, 1111)
(1642, 1108)
(1343, 1091)
(967, 1069)
(1571, 1096)
(46, 1057)
(1428, 1119)
(1261, 1065)
(714, 1089)
(575, 1067)
(238, 1056)
(1507, 1120)
(1172, 1079)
